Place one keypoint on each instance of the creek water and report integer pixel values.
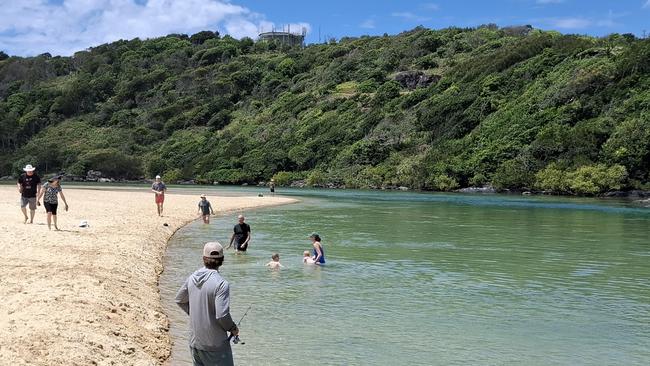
(431, 279)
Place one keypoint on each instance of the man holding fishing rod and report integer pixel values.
(205, 297)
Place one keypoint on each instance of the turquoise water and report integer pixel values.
(432, 279)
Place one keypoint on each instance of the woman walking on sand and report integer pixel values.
(51, 190)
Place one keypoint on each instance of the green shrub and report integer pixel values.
(173, 176)
(597, 179)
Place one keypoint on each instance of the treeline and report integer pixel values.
(516, 108)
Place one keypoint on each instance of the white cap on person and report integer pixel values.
(213, 249)
(157, 177)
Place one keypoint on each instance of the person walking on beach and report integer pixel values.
(205, 209)
(319, 252)
(159, 188)
(51, 190)
(29, 186)
(272, 187)
(205, 297)
(241, 234)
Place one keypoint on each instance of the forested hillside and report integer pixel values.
(514, 107)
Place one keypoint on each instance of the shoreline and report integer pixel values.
(90, 296)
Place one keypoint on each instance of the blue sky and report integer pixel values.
(61, 27)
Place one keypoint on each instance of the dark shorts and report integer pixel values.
(241, 247)
(50, 207)
(208, 358)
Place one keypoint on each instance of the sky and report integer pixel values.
(62, 27)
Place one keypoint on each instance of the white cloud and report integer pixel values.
(647, 4)
(407, 15)
(570, 23)
(367, 24)
(30, 27)
(433, 6)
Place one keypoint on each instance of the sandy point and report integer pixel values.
(89, 296)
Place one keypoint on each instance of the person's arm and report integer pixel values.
(222, 309)
(20, 186)
(232, 237)
(153, 190)
(319, 252)
(211, 210)
(40, 195)
(200, 211)
(248, 237)
(183, 298)
(64, 201)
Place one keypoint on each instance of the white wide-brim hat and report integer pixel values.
(29, 168)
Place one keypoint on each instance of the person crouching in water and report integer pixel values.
(306, 258)
(51, 190)
(205, 209)
(275, 261)
(205, 297)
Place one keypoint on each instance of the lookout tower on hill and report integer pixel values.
(285, 37)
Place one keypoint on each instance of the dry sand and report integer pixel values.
(89, 296)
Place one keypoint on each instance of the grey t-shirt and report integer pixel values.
(205, 206)
(205, 297)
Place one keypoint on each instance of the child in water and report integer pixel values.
(275, 261)
(306, 258)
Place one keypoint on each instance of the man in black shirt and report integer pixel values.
(29, 186)
(242, 234)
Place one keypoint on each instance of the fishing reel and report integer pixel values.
(236, 340)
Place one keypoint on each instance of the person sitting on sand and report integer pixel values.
(306, 258)
(275, 261)
(50, 191)
(205, 209)
(319, 252)
(159, 188)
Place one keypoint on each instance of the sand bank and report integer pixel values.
(85, 296)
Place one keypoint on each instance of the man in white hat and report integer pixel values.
(205, 297)
(29, 186)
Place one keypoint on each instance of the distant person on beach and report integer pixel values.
(50, 192)
(29, 186)
(272, 186)
(306, 258)
(159, 188)
(205, 297)
(241, 235)
(319, 252)
(205, 209)
(275, 261)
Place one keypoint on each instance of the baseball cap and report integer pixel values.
(314, 234)
(157, 177)
(213, 249)
(202, 196)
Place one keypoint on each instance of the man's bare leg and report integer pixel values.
(24, 210)
(31, 216)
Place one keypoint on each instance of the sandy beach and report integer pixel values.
(89, 296)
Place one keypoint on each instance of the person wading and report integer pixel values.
(241, 234)
(205, 297)
(29, 186)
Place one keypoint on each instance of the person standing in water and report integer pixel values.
(272, 187)
(241, 234)
(29, 186)
(319, 252)
(50, 192)
(159, 188)
(205, 297)
(205, 208)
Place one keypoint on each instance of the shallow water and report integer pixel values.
(432, 279)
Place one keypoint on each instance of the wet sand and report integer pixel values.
(89, 296)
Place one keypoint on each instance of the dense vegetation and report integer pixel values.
(515, 108)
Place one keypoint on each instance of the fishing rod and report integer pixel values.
(236, 338)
